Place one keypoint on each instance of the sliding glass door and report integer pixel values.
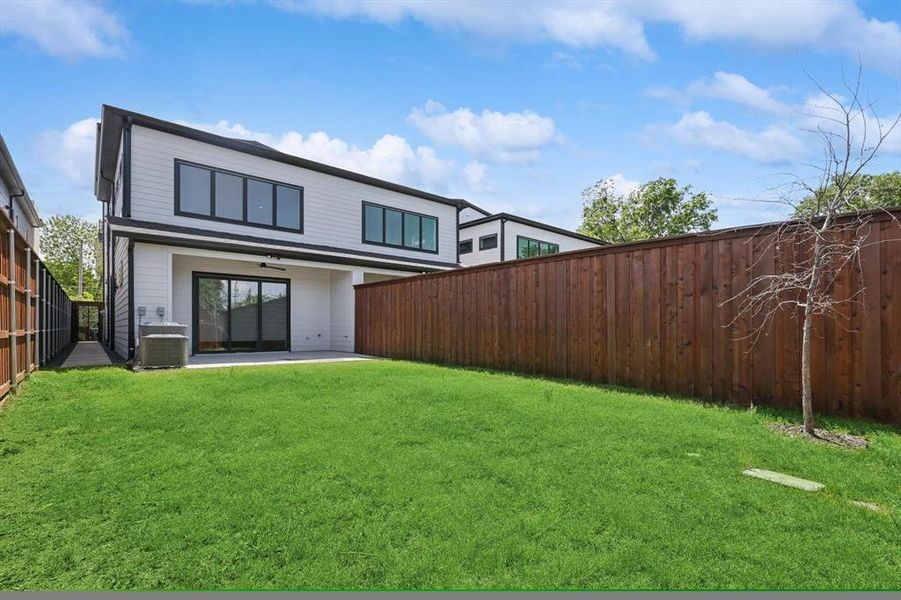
(243, 314)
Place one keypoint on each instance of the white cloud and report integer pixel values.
(577, 25)
(770, 145)
(474, 174)
(621, 185)
(505, 137)
(71, 151)
(815, 24)
(68, 30)
(819, 111)
(391, 157)
(735, 88)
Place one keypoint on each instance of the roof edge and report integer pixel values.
(531, 223)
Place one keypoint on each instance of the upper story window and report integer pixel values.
(527, 247)
(386, 226)
(208, 193)
(487, 242)
(465, 246)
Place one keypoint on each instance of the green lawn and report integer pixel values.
(397, 475)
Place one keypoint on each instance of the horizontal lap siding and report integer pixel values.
(656, 316)
(332, 211)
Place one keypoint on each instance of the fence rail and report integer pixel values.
(649, 315)
(34, 310)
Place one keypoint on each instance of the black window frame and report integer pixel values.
(491, 238)
(245, 178)
(466, 244)
(196, 276)
(403, 228)
(537, 241)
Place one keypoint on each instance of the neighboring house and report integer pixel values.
(258, 250)
(198, 228)
(502, 237)
(16, 202)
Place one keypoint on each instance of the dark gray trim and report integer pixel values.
(245, 178)
(195, 312)
(403, 228)
(503, 239)
(535, 224)
(126, 170)
(131, 299)
(268, 242)
(113, 119)
(487, 238)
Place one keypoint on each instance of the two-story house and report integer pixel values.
(16, 202)
(487, 238)
(253, 249)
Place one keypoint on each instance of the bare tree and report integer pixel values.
(827, 239)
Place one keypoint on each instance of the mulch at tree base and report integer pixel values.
(822, 435)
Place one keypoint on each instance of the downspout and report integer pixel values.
(131, 299)
(503, 223)
(12, 206)
(459, 210)
(126, 170)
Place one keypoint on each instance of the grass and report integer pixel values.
(397, 475)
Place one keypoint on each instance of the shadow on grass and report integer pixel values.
(776, 415)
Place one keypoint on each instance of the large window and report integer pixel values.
(223, 196)
(240, 314)
(387, 226)
(527, 247)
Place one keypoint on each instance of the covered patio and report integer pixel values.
(250, 359)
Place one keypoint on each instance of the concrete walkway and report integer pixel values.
(84, 354)
(250, 359)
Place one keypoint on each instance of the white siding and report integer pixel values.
(566, 243)
(341, 311)
(20, 221)
(332, 214)
(470, 214)
(152, 284)
(481, 257)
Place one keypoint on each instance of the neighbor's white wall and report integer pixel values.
(566, 243)
(333, 207)
(470, 214)
(481, 257)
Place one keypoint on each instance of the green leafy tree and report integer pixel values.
(659, 208)
(67, 240)
(863, 192)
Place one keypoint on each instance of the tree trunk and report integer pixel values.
(806, 394)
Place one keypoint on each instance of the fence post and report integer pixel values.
(36, 300)
(11, 276)
(27, 311)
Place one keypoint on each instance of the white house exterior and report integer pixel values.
(253, 249)
(16, 202)
(503, 237)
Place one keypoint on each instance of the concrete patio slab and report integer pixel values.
(783, 479)
(251, 359)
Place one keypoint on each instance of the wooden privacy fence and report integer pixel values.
(648, 315)
(34, 310)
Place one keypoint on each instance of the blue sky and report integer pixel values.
(515, 106)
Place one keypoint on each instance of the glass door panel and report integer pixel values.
(245, 305)
(212, 317)
(274, 309)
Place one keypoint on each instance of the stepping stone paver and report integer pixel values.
(783, 479)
